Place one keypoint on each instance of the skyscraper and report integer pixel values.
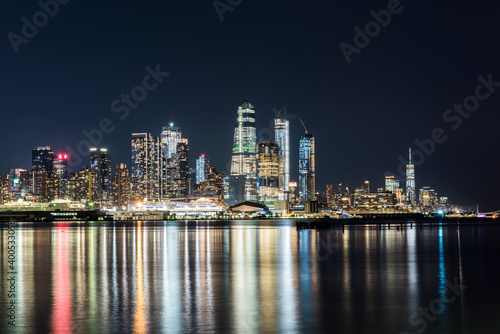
(411, 195)
(243, 179)
(59, 177)
(43, 158)
(121, 186)
(177, 171)
(170, 136)
(202, 169)
(183, 152)
(307, 167)
(390, 184)
(100, 165)
(146, 164)
(282, 137)
(270, 170)
(42, 165)
(79, 185)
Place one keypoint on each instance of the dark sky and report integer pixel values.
(274, 53)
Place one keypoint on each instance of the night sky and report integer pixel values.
(364, 114)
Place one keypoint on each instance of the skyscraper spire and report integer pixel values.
(409, 161)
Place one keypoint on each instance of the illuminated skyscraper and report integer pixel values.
(183, 152)
(307, 167)
(100, 165)
(202, 169)
(42, 165)
(79, 185)
(390, 184)
(366, 187)
(121, 186)
(411, 195)
(59, 177)
(428, 199)
(170, 136)
(282, 137)
(178, 171)
(146, 164)
(43, 158)
(270, 168)
(243, 180)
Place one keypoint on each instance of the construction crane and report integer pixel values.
(305, 128)
(170, 122)
(279, 113)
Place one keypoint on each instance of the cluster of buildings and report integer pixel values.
(49, 180)
(393, 198)
(260, 171)
(159, 175)
(160, 178)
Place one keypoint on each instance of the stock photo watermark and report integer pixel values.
(452, 117)
(30, 28)
(436, 307)
(223, 6)
(120, 106)
(372, 29)
(11, 274)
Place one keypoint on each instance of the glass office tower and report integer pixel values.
(243, 180)
(307, 167)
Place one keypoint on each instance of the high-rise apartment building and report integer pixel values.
(100, 164)
(121, 187)
(42, 158)
(80, 185)
(147, 159)
(59, 187)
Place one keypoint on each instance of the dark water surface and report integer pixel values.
(251, 277)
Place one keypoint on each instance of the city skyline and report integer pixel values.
(365, 114)
(156, 173)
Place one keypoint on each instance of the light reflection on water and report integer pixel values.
(247, 277)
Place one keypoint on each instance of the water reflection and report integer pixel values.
(62, 310)
(250, 277)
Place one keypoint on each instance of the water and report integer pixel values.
(250, 277)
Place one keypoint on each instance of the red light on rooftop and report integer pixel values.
(203, 154)
(59, 156)
(65, 156)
